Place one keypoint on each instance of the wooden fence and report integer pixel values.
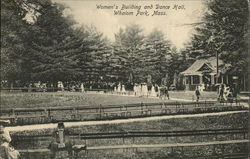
(22, 116)
(243, 132)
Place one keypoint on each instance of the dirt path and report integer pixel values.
(71, 124)
(150, 146)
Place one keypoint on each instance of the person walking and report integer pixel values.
(166, 93)
(221, 92)
(197, 94)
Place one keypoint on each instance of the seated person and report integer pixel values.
(6, 150)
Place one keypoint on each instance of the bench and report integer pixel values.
(160, 110)
(116, 113)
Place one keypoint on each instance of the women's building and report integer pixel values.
(203, 73)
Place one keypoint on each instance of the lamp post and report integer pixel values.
(217, 66)
(211, 39)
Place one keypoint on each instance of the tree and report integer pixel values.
(53, 45)
(14, 29)
(126, 52)
(94, 56)
(154, 54)
(224, 31)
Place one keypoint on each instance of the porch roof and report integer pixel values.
(210, 64)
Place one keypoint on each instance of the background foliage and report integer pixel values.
(39, 42)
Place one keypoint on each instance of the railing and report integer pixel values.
(230, 134)
(20, 116)
(152, 133)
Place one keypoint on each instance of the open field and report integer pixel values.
(47, 99)
(52, 99)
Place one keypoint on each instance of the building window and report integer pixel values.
(188, 81)
(219, 80)
(196, 79)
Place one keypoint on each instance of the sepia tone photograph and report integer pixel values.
(124, 79)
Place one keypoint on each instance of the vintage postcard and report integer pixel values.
(124, 79)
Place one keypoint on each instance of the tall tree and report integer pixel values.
(154, 54)
(126, 50)
(53, 45)
(14, 29)
(224, 29)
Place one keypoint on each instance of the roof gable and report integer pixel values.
(203, 65)
(205, 68)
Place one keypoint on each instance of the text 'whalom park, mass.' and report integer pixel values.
(140, 10)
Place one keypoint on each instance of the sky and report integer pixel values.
(172, 24)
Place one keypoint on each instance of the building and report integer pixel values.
(203, 73)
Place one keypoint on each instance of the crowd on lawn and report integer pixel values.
(143, 89)
(225, 92)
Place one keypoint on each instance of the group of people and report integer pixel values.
(60, 142)
(225, 93)
(143, 90)
(164, 93)
(120, 88)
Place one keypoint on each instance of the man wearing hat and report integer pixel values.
(6, 151)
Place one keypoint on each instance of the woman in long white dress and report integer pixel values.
(153, 93)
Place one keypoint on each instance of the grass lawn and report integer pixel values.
(189, 95)
(47, 99)
(52, 99)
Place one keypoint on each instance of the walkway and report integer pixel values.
(151, 145)
(84, 123)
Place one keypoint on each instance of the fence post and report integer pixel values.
(141, 108)
(13, 111)
(223, 149)
(100, 111)
(214, 150)
(182, 152)
(176, 107)
(86, 153)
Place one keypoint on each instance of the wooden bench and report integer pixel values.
(116, 113)
(81, 115)
(160, 111)
(182, 110)
(143, 111)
